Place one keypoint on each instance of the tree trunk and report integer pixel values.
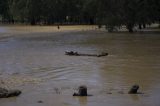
(33, 21)
(140, 26)
(144, 25)
(130, 27)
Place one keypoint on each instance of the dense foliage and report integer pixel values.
(112, 13)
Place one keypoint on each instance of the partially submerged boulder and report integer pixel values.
(4, 93)
(134, 89)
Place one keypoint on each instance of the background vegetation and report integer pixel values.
(111, 13)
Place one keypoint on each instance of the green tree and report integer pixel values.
(4, 10)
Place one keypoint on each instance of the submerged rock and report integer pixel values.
(4, 93)
(134, 89)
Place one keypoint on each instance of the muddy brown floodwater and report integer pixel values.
(34, 62)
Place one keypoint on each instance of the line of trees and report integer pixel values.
(111, 13)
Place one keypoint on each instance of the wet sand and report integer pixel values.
(32, 59)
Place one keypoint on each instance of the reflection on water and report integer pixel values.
(35, 63)
(83, 101)
(135, 97)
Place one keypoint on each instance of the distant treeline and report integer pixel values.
(111, 13)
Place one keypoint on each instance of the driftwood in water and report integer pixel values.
(4, 93)
(72, 53)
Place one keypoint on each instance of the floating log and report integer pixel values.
(72, 53)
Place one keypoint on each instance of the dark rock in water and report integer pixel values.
(4, 93)
(82, 91)
(134, 89)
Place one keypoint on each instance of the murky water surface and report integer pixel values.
(36, 64)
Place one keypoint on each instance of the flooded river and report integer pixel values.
(34, 62)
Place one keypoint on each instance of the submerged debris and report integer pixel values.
(4, 93)
(82, 91)
(134, 89)
(72, 53)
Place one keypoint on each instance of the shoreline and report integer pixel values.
(9, 30)
(50, 28)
